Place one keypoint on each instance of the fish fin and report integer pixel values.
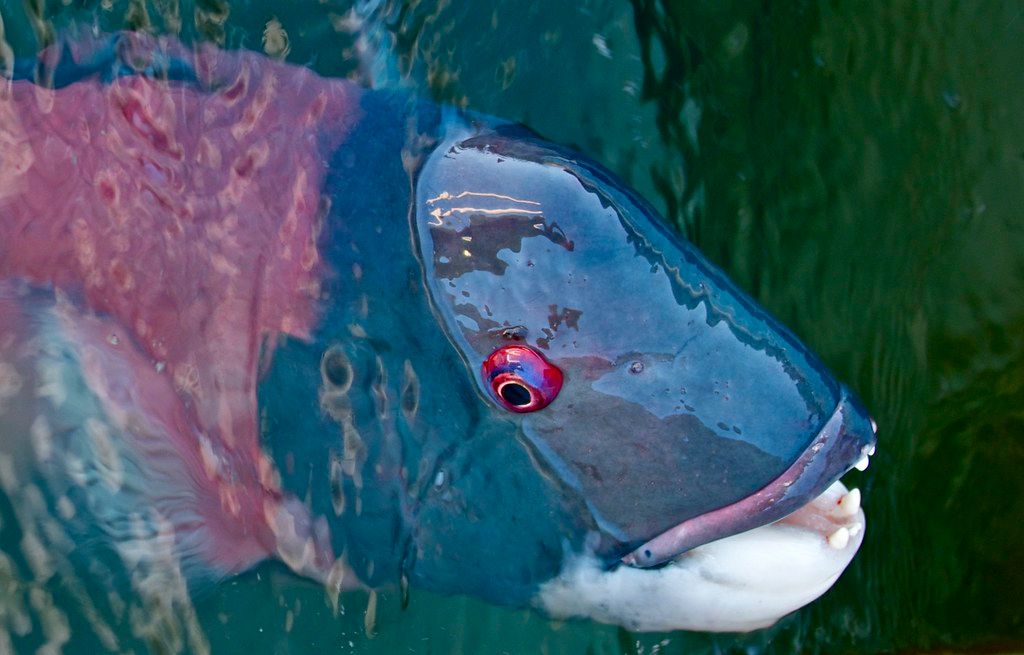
(96, 434)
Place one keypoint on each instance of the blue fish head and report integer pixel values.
(686, 412)
(664, 409)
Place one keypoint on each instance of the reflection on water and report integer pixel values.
(858, 170)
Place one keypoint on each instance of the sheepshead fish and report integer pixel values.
(247, 312)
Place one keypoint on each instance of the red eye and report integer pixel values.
(520, 379)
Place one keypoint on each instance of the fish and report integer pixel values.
(249, 313)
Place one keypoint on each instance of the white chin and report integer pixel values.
(744, 582)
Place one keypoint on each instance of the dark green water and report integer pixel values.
(858, 168)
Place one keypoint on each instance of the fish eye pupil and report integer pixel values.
(515, 394)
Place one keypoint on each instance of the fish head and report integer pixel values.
(652, 392)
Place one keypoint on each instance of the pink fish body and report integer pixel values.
(177, 228)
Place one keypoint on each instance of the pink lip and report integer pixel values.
(832, 453)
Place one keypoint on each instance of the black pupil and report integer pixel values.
(515, 394)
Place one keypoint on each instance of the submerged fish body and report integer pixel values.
(247, 312)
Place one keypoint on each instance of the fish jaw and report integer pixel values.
(844, 442)
(741, 567)
(740, 583)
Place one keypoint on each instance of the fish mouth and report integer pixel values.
(744, 582)
(804, 490)
(743, 566)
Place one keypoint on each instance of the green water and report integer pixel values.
(859, 168)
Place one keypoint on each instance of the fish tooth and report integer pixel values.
(849, 503)
(862, 464)
(855, 529)
(874, 426)
(871, 450)
(839, 538)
